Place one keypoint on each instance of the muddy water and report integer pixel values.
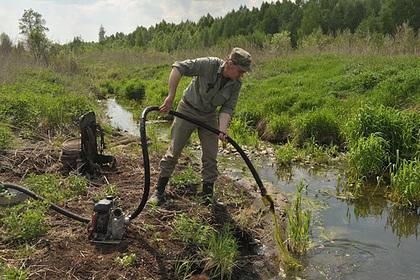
(367, 238)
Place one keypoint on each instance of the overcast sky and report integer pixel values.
(69, 18)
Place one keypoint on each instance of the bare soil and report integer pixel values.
(66, 253)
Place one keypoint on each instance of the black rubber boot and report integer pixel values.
(207, 192)
(158, 197)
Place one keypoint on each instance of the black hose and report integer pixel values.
(146, 163)
(57, 208)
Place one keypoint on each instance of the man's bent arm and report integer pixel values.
(174, 79)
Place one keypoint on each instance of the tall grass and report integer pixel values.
(220, 256)
(298, 224)
(405, 183)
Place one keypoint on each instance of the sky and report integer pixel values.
(67, 19)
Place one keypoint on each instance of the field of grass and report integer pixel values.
(365, 106)
(361, 109)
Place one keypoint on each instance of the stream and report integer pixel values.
(367, 238)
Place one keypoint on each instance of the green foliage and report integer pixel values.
(32, 26)
(298, 223)
(405, 183)
(128, 260)
(368, 157)
(25, 221)
(134, 89)
(320, 125)
(399, 129)
(281, 25)
(12, 273)
(6, 137)
(184, 268)
(242, 132)
(78, 185)
(56, 189)
(40, 102)
(191, 231)
(5, 44)
(188, 177)
(285, 154)
(220, 256)
(279, 129)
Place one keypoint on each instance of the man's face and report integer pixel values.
(234, 72)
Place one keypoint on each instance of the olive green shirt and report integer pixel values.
(208, 90)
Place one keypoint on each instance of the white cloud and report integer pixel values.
(69, 18)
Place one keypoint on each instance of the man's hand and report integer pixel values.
(167, 105)
(223, 136)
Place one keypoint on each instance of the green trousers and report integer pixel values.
(180, 133)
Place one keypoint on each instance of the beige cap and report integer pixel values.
(242, 58)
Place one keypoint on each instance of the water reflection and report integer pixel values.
(403, 223)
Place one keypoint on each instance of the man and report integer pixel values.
(216, 83)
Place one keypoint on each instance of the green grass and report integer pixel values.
(127, 260)
(405, 183)
(186, 178)
(368, 158)
(6, 138)
(12, 273)
(298, 224)
(56, 189)
(191, 231)
(220, 256)
(25, 221)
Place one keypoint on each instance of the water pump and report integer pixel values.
(108, 224)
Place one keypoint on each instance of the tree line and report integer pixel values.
(280, 21)
(298, 18)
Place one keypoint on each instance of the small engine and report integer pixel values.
(108, 222)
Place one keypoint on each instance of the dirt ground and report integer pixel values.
(66, 253)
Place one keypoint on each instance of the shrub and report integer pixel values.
(368, 157)
(321, 125)
(134, 89)
(279, 129)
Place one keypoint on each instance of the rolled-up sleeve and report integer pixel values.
(192, 67)
(230, 104)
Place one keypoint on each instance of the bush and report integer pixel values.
(134, 89)
(368, 157)
(320, 125)
(279, 129)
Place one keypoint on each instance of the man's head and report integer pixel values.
(238, 62)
